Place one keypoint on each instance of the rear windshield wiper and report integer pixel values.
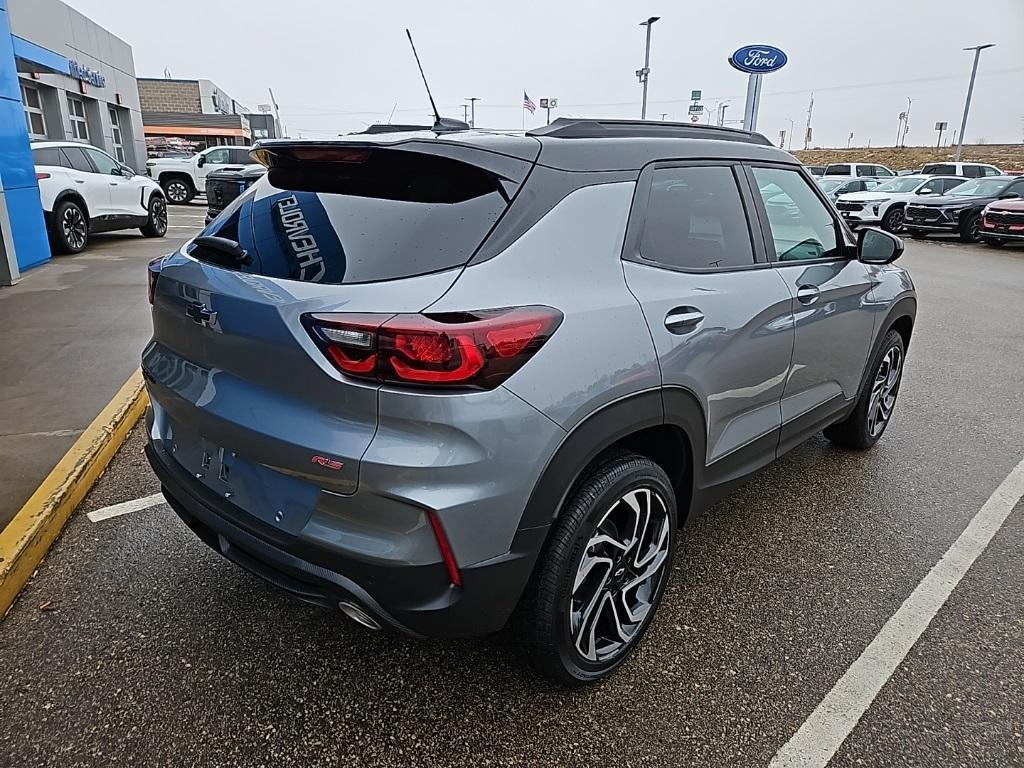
(222, 251)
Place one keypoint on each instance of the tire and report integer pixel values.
(615, 498)
(995, 242)
(179, 190)
(917, 234)
(69, 227)
(893, 220)
(157, 224)
(865, 426)
(970, 230)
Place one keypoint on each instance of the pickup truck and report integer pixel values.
(182, 177)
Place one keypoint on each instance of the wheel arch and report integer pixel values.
(70, 194)
(636, 423)
(167, 176)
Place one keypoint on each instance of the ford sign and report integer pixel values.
(758, 59)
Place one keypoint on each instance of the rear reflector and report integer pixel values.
(474, 350)
(446, 549)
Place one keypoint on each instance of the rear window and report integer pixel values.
(46, 156)
(377, 215)
(839, 169)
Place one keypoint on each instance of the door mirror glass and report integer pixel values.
(925, 191)
(875, 246)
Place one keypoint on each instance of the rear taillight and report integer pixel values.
(153, 274)
(477, 350)
(40, 175)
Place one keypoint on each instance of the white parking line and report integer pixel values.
(821, 735)
(125, 507)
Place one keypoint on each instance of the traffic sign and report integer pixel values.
(694, 118)
(552, 103)
(543, 103)
(694, 95)
(941, 126)
(696, 109)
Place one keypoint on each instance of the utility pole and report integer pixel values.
(970, 91)
(465, 113)
(664, 115)
(721, 113)
(790, 134)
(906, 122)
(472, 110)
(644, 74)
(849, 141)
(807, 135)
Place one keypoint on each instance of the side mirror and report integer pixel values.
(1010, 196)
(925, 191)
(201, 161)
(875, 246)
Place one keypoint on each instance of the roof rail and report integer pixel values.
(586, 128)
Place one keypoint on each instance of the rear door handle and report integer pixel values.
(807, 294)
(683, 319)
(79, 181)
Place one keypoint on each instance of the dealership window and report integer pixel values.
(79, 125)
(34, 118)
(116, 135)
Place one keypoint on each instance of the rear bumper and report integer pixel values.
(415, 599)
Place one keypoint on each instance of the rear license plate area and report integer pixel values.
(276, 499)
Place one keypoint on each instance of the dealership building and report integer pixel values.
(62, 77)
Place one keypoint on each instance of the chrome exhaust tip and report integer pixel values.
(358, 615)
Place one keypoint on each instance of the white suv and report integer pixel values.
(967, 170)
(884, 204)
(84, 190)
(871, 170)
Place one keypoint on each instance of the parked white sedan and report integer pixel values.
(885, 203)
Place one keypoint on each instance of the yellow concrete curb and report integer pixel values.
(27, 538)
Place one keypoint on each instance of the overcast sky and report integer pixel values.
(337, 66)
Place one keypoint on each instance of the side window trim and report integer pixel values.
(638, 213)
(843, 232)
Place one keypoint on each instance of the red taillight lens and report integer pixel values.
(476, 350)
(40, 175)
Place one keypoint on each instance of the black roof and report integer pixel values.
(587, 128)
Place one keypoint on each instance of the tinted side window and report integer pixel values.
(972, 171)
(240, 156)
(696, 220)
(948, 184)
(939, 168)
(802, 227)
(837, 170)
(103, 162)
(882, 171)
(1017, 188)
(77, 159)
(46, 156)
(989, 171)
(865, 170)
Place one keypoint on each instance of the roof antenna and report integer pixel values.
(441, 124)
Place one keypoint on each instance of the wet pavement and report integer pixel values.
(135, 644)
(73, 332)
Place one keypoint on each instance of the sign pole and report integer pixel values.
(753, 102)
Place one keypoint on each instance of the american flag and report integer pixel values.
(528, 103)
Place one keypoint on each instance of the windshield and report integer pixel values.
(979, 188)
(898, 185)
(831, 185)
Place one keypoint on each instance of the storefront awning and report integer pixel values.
(34, 58)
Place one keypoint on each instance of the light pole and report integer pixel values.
(789, 139)
(970, 90)
(472, 110)
(644, 73)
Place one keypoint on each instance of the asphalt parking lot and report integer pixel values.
(135, 644)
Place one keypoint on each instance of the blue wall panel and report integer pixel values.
(16, 168)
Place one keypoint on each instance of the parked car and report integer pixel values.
(967, 170)
(183, 177)
(958, 212)
(815, 170)
(885, 203)
(84, 191)
(841, 185)
(379, 382)
(870, 170)
(1002, 222)
(226, 184)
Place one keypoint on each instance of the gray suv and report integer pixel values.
(447, 380)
